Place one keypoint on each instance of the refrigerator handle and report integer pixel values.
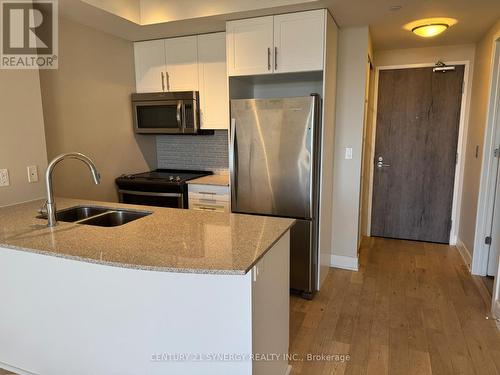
(233, 164)
(315, 182)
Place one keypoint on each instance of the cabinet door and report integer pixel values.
(182, 64)
(249, 46)
(214, 98)
(299, 41)
(149, 65)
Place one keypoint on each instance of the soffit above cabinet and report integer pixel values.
(154, 19)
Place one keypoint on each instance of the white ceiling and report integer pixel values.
(142, 19)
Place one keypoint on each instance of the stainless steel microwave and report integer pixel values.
(166, 112)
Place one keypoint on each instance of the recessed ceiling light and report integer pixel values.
(430, 27)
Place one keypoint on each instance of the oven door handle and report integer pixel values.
(150, 193)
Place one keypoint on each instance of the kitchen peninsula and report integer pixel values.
(176, 291)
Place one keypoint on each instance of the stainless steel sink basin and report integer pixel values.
(115, 218)
(98, 216)
(73, 214)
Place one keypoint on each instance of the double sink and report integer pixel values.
(98, 216)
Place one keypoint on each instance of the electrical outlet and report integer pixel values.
(4, 177)
(32, 173)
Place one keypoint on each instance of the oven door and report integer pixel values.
(159, 117)
(152, 198)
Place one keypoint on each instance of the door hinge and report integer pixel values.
(496, 152)
(487, 240)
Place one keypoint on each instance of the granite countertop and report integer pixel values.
(170, 240)
(213, 179)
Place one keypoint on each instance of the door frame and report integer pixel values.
(461, 146)
(487, 185)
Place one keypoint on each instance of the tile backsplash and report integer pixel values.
(202, 152)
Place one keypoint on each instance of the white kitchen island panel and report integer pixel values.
(61, 316)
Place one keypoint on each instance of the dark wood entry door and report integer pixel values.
(418, 118)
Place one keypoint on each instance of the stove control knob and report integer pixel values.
(177, 178)
(170, 178)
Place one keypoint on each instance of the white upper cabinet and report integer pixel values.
(285, 43)
(214, 96)
(167, 65)
(249, 46)
(149, 65)
(181, 64)
(299, 40)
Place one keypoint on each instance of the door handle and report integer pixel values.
(381, 164)
(275, 58)
(268, 58)
(233, 163)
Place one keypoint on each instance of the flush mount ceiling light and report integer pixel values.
(430, 27)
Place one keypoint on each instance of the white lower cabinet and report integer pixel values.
(209, 198)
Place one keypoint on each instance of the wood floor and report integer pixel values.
(413, 308)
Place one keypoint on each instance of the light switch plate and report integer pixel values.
(32, 173)
(348, 153)
(4, 177)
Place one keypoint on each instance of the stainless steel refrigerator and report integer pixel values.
(275, 164)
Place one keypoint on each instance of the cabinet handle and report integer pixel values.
(275, 58)
(268, 58)
(162, 81)
(168, 81)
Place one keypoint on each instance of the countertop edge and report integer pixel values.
(271, 246)
(152, 268)
(127, 265)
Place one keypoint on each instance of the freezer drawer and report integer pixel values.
(303, 258)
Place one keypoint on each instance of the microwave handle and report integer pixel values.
(178, 116)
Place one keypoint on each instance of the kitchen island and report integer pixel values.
(174, 292)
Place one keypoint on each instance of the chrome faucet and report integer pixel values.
(51, 204)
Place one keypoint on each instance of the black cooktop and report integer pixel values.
(161, 176)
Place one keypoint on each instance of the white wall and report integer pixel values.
(427, 55)
(86, 104)
(128, 9)
(351, 86)
(328, 147)
(22, 138)
(154, 11)
(483, 74)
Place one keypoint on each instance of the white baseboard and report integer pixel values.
(288, 370)
(346, 263)
(496, 310)
(464, 252)
(453, 240)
